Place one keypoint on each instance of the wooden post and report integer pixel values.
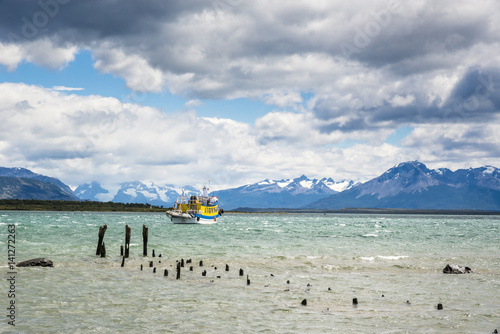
(103, 250)
(121, 250)
(241, 272)
(102, 230)
(165, 273)
(178, 271)
(128, 231)
(227, 267)
(123, 261)
(145, 240)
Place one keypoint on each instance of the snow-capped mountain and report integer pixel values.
(286, 193)
(139, 192)
(412, 185)
(90, 191)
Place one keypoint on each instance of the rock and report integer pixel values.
(40, 262)
(456, 269)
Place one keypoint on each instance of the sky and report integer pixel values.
(233, 91)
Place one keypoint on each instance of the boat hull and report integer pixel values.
(184, 218)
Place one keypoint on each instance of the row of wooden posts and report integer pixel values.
(101, 249)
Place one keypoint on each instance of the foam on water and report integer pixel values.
(326, 259)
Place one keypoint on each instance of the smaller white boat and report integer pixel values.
(196, 210)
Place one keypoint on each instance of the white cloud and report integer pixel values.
(85, 138)
(139, 75)
(402, 101)
(193, 103)
(64, 88)
(42, 52)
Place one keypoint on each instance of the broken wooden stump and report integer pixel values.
(128, 231)
(145, 241)
(103, 250)
(102, 230)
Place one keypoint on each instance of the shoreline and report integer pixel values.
(367, 211)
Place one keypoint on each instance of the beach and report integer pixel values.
(392, 265)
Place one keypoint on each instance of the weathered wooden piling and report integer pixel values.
(153, 255)
(141, 266)
(355, 301)
(204, 273)
(123, 261)
(128, 231)
(165, 273)
(304, 302)
(145, 240)
(440, 306)
(248, 280)
(150, 264)
(103, 250)
(227, 267)
(154, 270)
(191, 268)
(241, 272)
(102, 230)
(182, 263)
(121, 250)
(178, 276)
(201, 263)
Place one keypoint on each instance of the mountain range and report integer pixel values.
(409, 185)
(285, 193)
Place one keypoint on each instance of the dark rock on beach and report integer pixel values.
(40, 262)
(456, 269)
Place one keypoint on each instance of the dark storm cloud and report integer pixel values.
(475, 98)
(83, 21)
(224, 49)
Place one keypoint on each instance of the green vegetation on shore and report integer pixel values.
(43, 205)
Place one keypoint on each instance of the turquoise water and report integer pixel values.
(382, 260)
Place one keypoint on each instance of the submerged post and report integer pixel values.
(145, 240)
(102, 230)
(128, 231)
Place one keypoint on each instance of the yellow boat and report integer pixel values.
(196, 210)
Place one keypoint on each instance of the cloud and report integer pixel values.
(42, 52)
(366, 69)
(193, 103)
(63, 88)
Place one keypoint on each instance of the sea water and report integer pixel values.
(392, 265)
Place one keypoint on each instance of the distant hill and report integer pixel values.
(285, 193)
(411, 185)
(36, 190)
(26, 188)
